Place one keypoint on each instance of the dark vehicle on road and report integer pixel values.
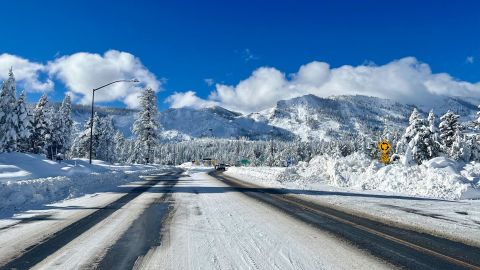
(220, 167)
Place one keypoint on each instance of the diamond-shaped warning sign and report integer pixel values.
(384, 146)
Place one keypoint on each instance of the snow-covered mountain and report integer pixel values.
(218, 122)
(312, 117)
(122, 118)
(308, 117)
(186, 123)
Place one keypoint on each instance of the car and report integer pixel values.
(220, 167)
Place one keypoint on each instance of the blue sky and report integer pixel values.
(186, 42)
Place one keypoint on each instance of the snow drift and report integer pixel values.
(28, 181)
(440, 177)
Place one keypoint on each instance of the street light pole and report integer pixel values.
(93, 100)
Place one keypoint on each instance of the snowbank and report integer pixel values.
(438, 178)
(28, 180)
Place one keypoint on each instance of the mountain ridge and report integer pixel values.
(307, 117)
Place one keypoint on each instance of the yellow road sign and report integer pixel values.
(384, 146)
(385, 158)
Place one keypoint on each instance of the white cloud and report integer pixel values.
(81, 72)
(470, 59)
(188, 99)
(27, 73)
(406, 80)
(209, 81)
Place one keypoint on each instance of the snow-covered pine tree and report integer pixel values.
(105, 147)
(53, 143)
(60, 129)
(67, 123)
(477, 121)
(146, 126)
(434, 146)
(40, 128)
(403, 145)
(416, 143)
(460, 148)
(9, 118)
(81, 144)
(25, 118)
(476, 138)
(448, 128)
(120, 150)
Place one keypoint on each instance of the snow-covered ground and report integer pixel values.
(439, 178)
(426, 196)
(28, 181)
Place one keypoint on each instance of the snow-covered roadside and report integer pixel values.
(28, 181)
(458, 219)
(439, 178)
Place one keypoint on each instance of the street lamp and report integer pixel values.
(93, 99)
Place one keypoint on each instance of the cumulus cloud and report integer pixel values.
(188, 99)
(406, 80)
(27, 73)
(470, 59)
(81, 72)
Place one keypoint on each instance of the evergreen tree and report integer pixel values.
(66, 122)
(120, 147)
(60, 128)
(40, 128)
(9, 118)
(460, 148)
(81, 144)
(434, 146)
(105, 146)
(146, 126)
(477, 121)
(53, 144)
(24, 123)
(417, 142)
(449, 126)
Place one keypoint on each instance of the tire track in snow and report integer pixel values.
(143, 235)
(36, 253)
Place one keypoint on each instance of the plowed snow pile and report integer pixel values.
(28, 180)
(437, 178)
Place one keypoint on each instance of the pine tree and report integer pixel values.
(9, 118)
(146, 126)
(477, 121)
(81, 145)
(434, 146)
(40, 128)
(417, 142)
(52, 142)
(24, 123)
(449, 126)
(120, 147)
(105, 146)
(66, 122)
(460, 148)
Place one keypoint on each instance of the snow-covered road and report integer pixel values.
(211, 226)
(182, 220)
(215, 227)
